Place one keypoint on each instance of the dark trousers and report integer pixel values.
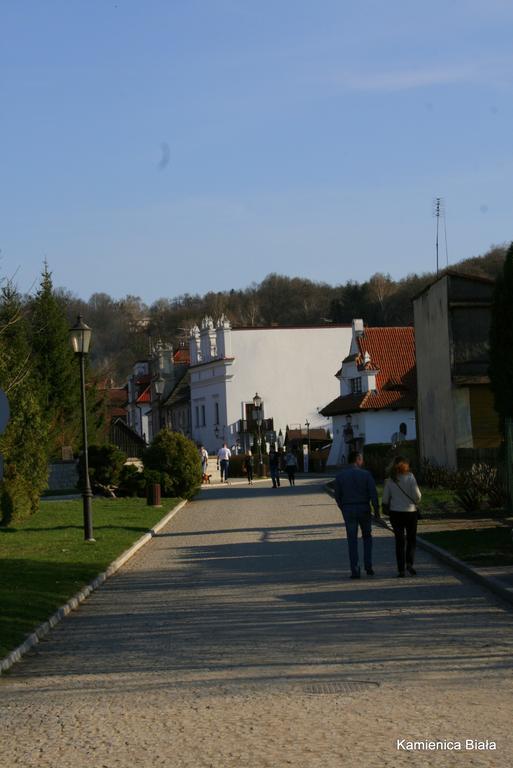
(249, 470)
(291, 474)
(224, 465)
(354, 520)
(275, 476)
(404, 525)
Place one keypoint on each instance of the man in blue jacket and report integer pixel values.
(355, 491)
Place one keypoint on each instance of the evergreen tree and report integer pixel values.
(55, 365)
(23, 445)
(501, 340)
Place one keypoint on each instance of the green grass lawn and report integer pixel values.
(44, 560)
(477, 546)
(439, 504)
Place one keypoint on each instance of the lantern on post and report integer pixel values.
(80, 337)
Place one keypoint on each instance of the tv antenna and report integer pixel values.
(439, 213)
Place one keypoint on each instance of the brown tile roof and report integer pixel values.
(116, 411)
(316, 433)
(392, 352)
(117, 395)
(454, 273)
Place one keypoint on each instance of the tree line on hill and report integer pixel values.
(125, 329)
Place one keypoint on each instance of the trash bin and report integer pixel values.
(153, 497)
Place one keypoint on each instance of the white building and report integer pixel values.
(377, 391)
(290, 368)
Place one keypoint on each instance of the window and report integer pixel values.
(356, 386)
(203, 416)
(217, 413)
(197, 416)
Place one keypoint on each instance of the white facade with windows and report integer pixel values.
(290, 368)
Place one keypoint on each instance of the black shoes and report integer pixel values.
(411, 570)
(401, 575)
(356, 574)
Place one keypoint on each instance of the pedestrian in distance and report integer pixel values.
(355, 491)
(401, 495)
(223, 462)
(249, 466)
(204, 463)
(274, 466)
(291, 467)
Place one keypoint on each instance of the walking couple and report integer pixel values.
(355, 492)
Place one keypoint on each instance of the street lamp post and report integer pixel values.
(80, 336)
(257, 402)
(307, 425)
(159, 385)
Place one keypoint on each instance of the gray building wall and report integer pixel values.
(435, 415)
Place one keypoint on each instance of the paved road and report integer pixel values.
(236, 639)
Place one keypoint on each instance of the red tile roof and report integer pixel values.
(145, 396)
(181, 355)
(392, 352)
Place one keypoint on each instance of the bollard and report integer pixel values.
(153, 497)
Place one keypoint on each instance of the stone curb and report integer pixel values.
(488, 582)
(73, 603)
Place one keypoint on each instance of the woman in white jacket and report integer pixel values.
(401, 495)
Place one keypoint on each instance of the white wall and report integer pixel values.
(292, 369)
(209, 385)
(379, 426)
(376, 426)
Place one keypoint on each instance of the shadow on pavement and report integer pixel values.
(281, 607)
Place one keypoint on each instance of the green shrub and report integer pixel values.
(23, 447)
(177, 460)
(105, 465)
(437, 476)
(132, 481)
(482, 482)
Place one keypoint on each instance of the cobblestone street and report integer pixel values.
(235, 638)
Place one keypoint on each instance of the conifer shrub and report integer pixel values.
(177, 461)
(105, 466)
(132, 482)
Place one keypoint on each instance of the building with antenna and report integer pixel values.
(457, 423)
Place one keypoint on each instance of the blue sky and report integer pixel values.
(163, 147)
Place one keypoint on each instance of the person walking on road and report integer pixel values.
(401, 495)
(355, 491)
(223, 462)
(204, 463)
(291, 467)
(249, 466)
(274, 466)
